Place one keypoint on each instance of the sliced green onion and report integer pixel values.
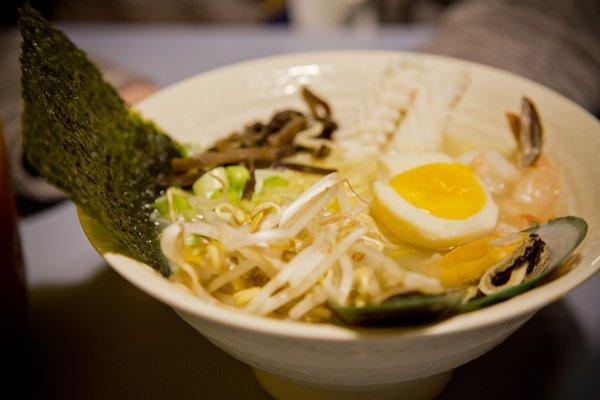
(207, 184)
(233, 195)
(189, 149)
(238, 175)
(162, 205)
(180, 203)
(274, 181)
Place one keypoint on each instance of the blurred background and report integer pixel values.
(89, 334)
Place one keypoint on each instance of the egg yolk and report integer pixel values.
(446, 190)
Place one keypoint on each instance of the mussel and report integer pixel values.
(547, 247)
(406, 309)
(527, 261)
(541, 249)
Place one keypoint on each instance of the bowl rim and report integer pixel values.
(145, 278)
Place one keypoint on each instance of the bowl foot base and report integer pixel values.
(287, 389)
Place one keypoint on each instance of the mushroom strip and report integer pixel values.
(264, 145)
(185, 179)
(227, 156)
(288, 132)
(316, 104)
(251, 183)
(305, 168)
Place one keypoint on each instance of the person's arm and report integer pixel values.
(553, 42)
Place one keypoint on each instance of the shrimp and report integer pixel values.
(535, 196)
(525, 196)
(498, 174)
(528, 131)
(526, 192)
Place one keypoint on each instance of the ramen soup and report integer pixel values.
(369, 221)
(381, 218)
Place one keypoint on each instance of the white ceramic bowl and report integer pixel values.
(298, 360)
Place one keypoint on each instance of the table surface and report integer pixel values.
(96, 336)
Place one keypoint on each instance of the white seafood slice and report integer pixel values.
(408, 109)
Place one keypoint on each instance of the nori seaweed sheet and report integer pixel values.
(81, 137)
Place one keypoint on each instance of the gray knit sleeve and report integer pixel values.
(553, 42)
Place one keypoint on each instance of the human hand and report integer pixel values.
(136, 91)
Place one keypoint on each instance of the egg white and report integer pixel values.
(417, 226)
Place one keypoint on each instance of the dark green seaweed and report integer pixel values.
(81, 137)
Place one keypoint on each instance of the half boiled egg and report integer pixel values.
(432, 201)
